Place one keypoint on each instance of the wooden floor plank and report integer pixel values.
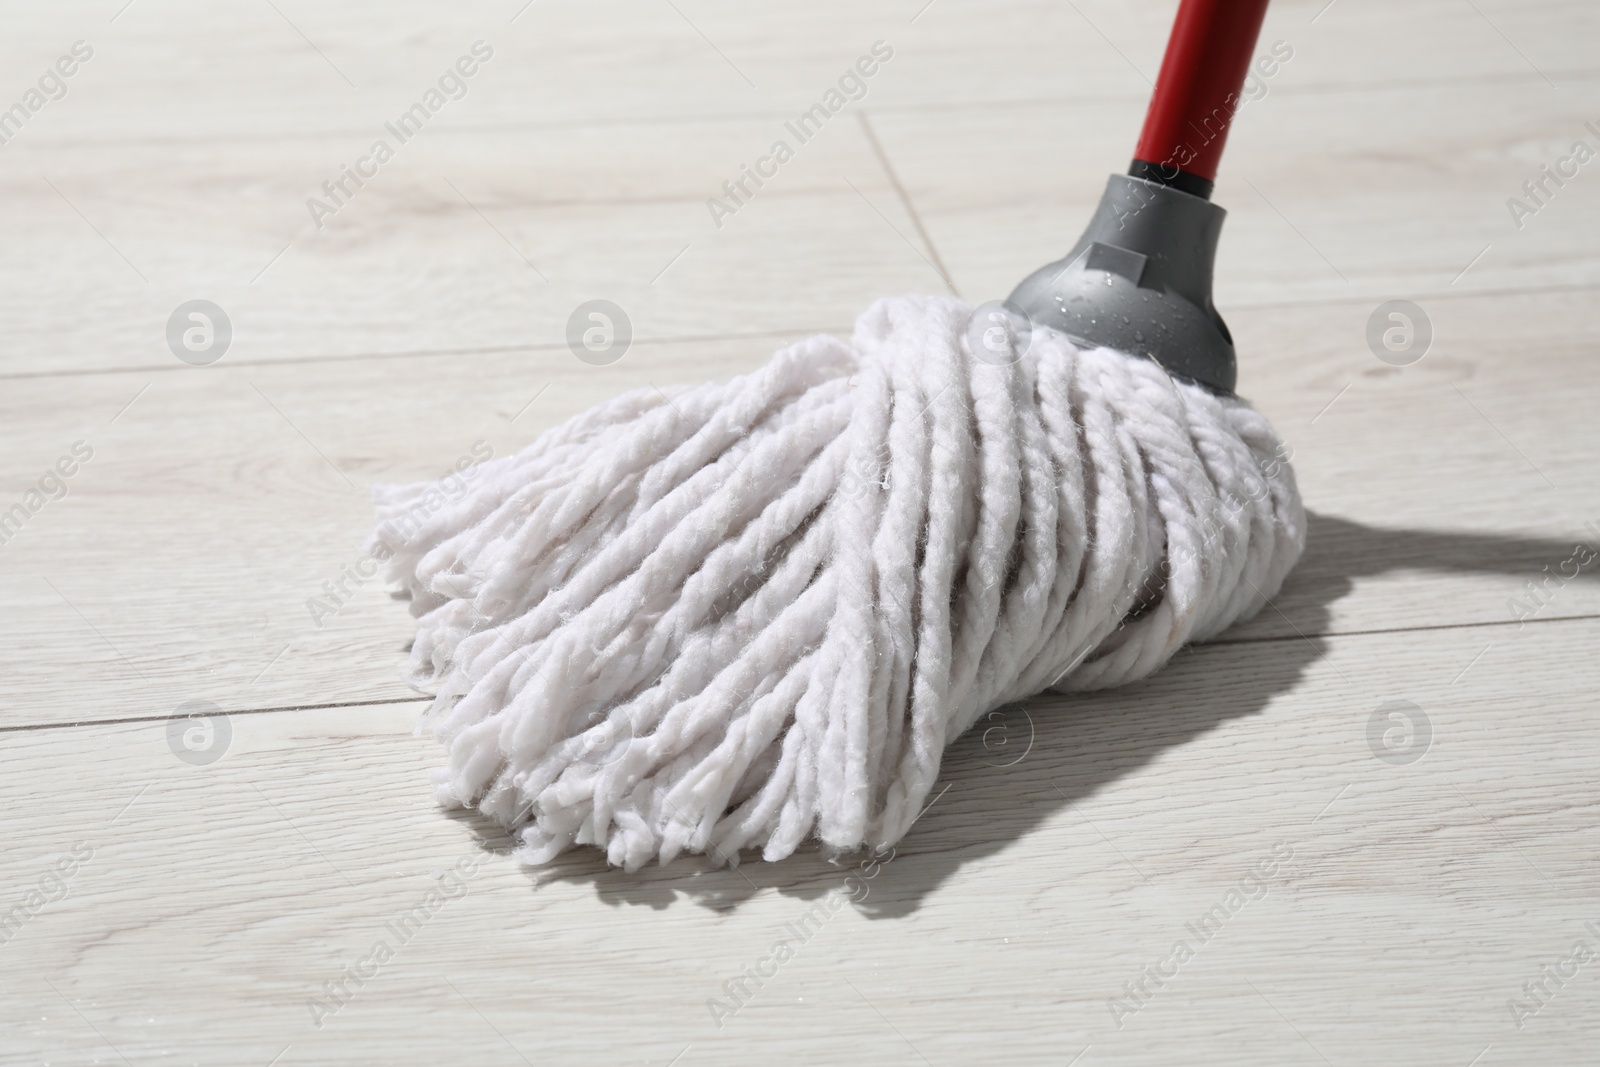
(1323, 203)
(182, 561)
(1092, 830)
(486, 236)
(318, 68)
(462, 242)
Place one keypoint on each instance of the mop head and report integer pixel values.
(743, 615)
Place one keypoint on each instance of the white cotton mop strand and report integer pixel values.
(742, 615)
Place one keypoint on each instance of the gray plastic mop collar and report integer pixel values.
(1139, 281)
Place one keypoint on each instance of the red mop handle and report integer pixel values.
(1197, 92)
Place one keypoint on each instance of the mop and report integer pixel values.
(743, 615)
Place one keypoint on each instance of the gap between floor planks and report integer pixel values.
(1193, 648)
(761, 335)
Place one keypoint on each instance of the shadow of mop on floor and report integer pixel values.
(1024, 764)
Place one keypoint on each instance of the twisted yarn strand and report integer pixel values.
(750, 613)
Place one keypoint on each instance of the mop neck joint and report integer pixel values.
(1173, 177)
